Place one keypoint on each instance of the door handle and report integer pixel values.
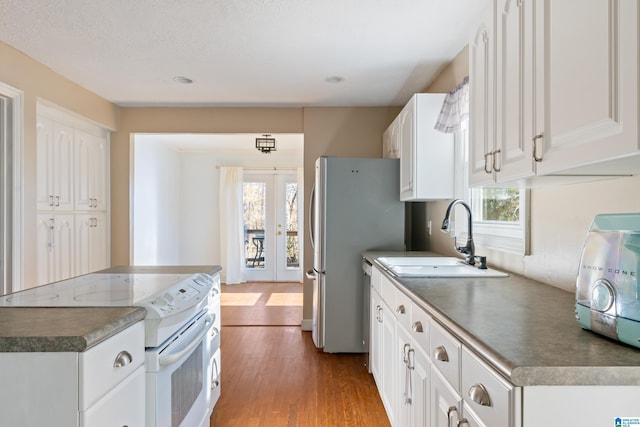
(311, 274)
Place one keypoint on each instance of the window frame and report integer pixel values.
(496, 235)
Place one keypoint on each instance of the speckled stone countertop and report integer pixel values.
(76, 329)
(525, 329)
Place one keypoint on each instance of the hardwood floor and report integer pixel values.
(262, 304)
(274, 376)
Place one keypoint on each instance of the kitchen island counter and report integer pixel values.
(60, 329)
(76, 329)
(523, 328)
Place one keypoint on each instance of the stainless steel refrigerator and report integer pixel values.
(355, 207)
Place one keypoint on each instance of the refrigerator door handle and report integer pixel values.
(312, 216)
(311, 274)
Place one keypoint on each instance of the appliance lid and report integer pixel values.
(101, 290)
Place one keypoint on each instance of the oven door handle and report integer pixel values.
(173, 358)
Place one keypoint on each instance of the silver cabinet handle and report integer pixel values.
(122, 359)
(57, 200)
(535, 148)
(417, 327)
(449, 412)
(486, 163)
(479, 394)
(495, 157)
(463, 422)
(378, 316)
(440, 353)
(400, 309)
(50, 200)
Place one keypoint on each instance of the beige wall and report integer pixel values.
(37, 82)
(343, 132)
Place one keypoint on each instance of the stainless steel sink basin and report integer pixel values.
(435, 267)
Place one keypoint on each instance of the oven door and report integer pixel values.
(177, 380)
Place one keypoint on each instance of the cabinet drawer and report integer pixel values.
(420, 327)
(445, 350)
(122, 406)
(402, 309)
(388, 292)
(97, 369)
(485, 392)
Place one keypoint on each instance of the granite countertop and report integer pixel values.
(525, 329)
(76, 329)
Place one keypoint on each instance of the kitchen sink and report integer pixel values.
(435, 267)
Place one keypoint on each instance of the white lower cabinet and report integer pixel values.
(425, 375)
(398, 354)
(445, 401)
(103, 386)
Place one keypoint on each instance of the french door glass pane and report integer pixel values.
(253, 201)
(292, 225)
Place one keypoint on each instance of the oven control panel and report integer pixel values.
(181, 296)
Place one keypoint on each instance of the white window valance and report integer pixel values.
(454, 114)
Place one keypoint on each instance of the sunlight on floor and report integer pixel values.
(240, 299)
(285, 299)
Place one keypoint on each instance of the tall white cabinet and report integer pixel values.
(72, 196)
(554, 91)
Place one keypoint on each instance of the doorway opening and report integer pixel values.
(271, 215)
(11, 277)
(176, 207)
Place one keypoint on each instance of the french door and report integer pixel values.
(271, 217)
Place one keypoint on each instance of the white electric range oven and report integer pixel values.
(182, 334)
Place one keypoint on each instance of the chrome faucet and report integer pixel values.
(469, 249)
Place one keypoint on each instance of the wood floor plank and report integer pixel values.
(274, 376)
(256, 308)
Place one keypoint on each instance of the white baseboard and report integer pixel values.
(307, 324)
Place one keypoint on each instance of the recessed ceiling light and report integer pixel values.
(183, 80)
(334, 79)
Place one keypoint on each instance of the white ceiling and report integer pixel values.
(243, 52)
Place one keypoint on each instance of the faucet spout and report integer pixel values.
(469, 249)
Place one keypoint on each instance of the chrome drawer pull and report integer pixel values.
(462, 422)
(122, 359)
(417, 326)
(479, 394)
(400, 309)
(440, 353)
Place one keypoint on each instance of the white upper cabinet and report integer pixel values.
(54, 162)
(426, 155)
(564, 91)
(482, 102)
(589, 80)
(91, 171)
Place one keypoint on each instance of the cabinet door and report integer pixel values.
(445, 402)
(54, 154)
(390, 148)
(481, 102)
(407, 150)
(122, 406)
(375, 340)
(588, 78)
(55, 255)
(388, 394)
(512, 157)
(421, 383)
(91, 242)
(90, 171)
(403, 377)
